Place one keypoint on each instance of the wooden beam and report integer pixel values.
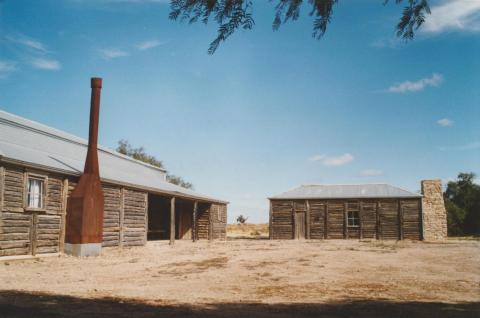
(294, 221)
(307, 221)
(210, 223)
(172, 220)
(325, 217)
(2, 191)
(194, 221)
(377, 214)
(345, 221)
(121, 217)
(400, 220)
(146, 218)
(270, 222)
(360, 215)
(63, 216)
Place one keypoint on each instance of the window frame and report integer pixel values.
(353, 216)
(43, 194)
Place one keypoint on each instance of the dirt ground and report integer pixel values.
(255, 278)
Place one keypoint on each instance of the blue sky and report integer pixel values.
(269, 110)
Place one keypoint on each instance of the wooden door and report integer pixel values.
(185, 225)
(300, 225)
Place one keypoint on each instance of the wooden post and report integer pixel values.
(400, 220)
(325, 218)
(210, 223)
(345, 221)
(194, 221)
(2, 191)
(146, 218)
(360, 215)
(33, 234)
(121, 217)
(307, 221)
(61, 243)
(270, 222)
(172, 220)
(377, 213)
(294, 234)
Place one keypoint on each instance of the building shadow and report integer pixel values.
(17, 304)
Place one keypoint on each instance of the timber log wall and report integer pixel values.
(327, 219)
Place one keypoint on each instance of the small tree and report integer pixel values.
(462, 200)
(139, 153)
(241, 219)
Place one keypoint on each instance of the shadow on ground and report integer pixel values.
(15, 304)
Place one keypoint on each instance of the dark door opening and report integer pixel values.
(159, 218)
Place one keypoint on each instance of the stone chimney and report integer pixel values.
(434, 212)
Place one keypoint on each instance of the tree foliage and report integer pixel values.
(231, 15)
(241, 219)
(462, 200)
(139, 153)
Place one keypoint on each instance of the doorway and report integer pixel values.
(300, 225)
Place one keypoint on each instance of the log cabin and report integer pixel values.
(363, 211)
(39, 168)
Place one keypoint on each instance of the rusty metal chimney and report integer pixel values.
(84, 222)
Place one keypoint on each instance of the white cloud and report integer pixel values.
(317, 158)
(148, 45)
(46, 64)
(7, 67)
(28, 42)
(470, 146)
(419, 85)
(333, 160)
(460, 15)
(445, 122)
(113, 53)
(371, 173)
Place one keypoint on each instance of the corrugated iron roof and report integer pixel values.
(31, 143)
(346, 191)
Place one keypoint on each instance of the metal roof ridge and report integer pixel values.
(68, 137)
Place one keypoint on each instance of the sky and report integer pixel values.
(269, 110)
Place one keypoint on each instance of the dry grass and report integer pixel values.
(247, 231)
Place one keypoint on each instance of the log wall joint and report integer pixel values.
(61, 243)
(172, 220)
(194, 221)
(307, 220)
(121, 218)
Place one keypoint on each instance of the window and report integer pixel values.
(353, 218)
(35, 194)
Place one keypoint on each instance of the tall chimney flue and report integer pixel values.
(84, 221)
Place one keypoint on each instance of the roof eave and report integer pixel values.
(114, 182)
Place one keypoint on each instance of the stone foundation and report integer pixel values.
(434, 212)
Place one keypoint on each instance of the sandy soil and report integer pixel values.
(251, 277)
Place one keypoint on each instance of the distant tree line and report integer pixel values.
(139, 153)
(462, 201)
